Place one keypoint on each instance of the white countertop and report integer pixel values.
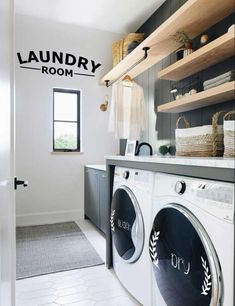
(97, 167)
(215, 162)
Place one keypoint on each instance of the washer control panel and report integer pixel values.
(141, 179)
(126, 174)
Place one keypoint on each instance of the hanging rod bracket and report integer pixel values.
(145, 49)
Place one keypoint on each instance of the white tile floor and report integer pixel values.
(94, 286)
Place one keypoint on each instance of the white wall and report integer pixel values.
(56, 183)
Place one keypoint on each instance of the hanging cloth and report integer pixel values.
(127, 113)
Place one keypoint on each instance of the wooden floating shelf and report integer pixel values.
(221, 93)
(195, 17)
(211, 54)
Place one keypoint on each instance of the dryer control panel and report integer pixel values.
(216, 198)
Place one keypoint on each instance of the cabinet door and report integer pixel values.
(103, 201)
(92, 195)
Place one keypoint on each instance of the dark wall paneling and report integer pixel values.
(160, 89)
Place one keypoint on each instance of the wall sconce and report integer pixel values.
(191, 87)
(174, 91)
(104, 105)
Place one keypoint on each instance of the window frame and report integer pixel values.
(78, 122)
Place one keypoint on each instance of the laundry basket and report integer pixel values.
(202, 141)
(229, 135)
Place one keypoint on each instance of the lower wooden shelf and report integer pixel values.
(219, 94)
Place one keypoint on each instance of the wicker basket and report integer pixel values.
(119, 48)
(139, 37)
(229, 135)
(202, 141)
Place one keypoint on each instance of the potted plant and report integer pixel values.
(182, 38)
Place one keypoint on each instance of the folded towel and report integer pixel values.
(218, 78)
(226, 80)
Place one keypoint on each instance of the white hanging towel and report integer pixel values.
(127, 112)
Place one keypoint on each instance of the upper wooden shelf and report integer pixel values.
(211, 54)
(218, 94)
(194, 17)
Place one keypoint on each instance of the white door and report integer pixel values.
(7, 201)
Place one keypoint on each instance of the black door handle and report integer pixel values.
(20, 182)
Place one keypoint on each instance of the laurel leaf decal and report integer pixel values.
(152, 247)
(112, 221)
(206, 283)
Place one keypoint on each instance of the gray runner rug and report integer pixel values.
(44, 249)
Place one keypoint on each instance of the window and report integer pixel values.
(66, 120)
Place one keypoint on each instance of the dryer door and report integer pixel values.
(185, 264)
(127, 225)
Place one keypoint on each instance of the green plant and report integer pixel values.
(163, 150)
(181, 37)
(66, 141)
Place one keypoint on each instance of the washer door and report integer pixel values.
(185, 264)
(127, 225)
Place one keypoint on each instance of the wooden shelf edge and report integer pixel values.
(224, 44)
(189, 16)
(219, 94)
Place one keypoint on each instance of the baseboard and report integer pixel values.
(49, 217)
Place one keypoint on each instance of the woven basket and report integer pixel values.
(119, 48)
(139, 37)
(202, 141)
(229, 135)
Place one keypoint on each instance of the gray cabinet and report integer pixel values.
(96, 203)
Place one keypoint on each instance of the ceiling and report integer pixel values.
(119, 16)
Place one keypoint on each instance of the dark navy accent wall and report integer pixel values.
(159, 90)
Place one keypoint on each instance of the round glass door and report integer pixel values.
(127, 225)
(185, 264)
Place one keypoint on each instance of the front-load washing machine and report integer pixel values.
(130, 228)
(192, 242)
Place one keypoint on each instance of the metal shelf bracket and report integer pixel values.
(145, 49)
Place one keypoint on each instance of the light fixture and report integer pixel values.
(191, 86)
(174, 91)
(104, 105)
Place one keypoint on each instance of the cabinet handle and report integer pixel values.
(104, 176)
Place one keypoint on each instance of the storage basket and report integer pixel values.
(119, 48)
(229, 135)
(138, 37)
(202, 141)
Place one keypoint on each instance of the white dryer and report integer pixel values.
(130, 227)
(192, 242)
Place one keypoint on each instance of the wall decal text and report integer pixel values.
(44, 58)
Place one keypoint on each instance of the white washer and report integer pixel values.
(130, 227)
(192, 242)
